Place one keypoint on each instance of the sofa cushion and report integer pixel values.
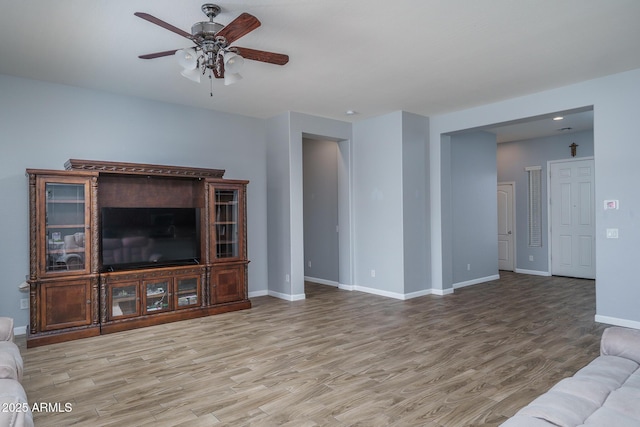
(623, 342)
(6, 329)
(609, 417)
(626, 402)
(525, 421)
(611, 371)
(11, 364)
(14, 399)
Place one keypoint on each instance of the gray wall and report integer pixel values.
(320, 175)
(285, 199)
(378, 203)
(415, 196)
(390, 205)
(513, 157)
(616, 101)
(42, 125)
(473, 207)
(279, 205)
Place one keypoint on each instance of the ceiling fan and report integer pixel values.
(213, 52)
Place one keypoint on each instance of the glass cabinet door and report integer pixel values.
(124, 300)
(226, 223)
(157, 296)
(66, 219)
(187, 292)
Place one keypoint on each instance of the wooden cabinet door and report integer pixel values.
(187, 292)
(62, 229)
(123, 300)
(227, 232)
(157, 295)
(228, 283)
(65, 304)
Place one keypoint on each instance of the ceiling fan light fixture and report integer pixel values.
(233, 62)
(214, 54)
(231, 78)
(187, 58)
(193, 74)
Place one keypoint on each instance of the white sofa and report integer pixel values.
(14, 406)
(606, 392)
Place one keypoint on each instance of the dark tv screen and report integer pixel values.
(149, 237)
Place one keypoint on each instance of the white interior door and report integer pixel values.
(506, 222)
(571, 184)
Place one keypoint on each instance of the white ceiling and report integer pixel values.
(557, 123)
(422, 56)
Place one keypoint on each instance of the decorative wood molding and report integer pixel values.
(142, 169)
(94, 226)
(103, 298)
(33, 230)
(114, 277)
(34, 308)
(95, 291)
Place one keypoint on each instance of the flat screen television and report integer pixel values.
(149, 237)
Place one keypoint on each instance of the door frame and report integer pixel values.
(514, 251)
(549, 217)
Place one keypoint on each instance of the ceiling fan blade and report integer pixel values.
(158, 54)
(243, 24)
(163, 24)
(262, 56)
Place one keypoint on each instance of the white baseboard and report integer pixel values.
(442, 292)
(321, 281)
(617, 322)
(287, 297)
(394, 295)
(533, 272)
(475, 281)
(418, 294)
(379, 292)
(254, 294)
(346, 287)
(20, 330)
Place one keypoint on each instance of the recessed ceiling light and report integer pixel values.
(558, 118)
(350, 112)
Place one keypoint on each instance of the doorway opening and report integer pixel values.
(326, 211)
(523, 143)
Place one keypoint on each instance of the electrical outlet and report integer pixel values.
(530, 257)
(373, 273)
(286, 278)
(24, 304)
(468, 267)
(309, 264)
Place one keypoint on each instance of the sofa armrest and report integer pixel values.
(622, 342)
(6, 329)
(13, 400)
(11, 364)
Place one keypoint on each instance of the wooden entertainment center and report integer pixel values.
(86, 280)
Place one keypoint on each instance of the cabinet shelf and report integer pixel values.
(65, 201)
(66, 251)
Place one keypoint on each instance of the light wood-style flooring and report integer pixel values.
(338, 358)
